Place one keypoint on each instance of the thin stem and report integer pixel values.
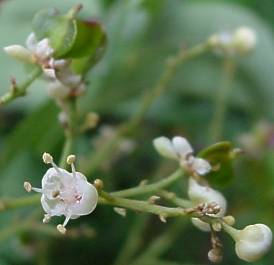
(66, 151)
(217, 122)
(233, 232)
(151, 188)
(160, 87)
(142, 206)
(172, 197)
(19, 90)
(70, 132)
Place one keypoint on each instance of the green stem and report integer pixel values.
(160, 87)
(170, 196)
(142, 206)
(151, 188)
(66, 151)
(233, 232)
(70, 132)
(19, 90)
(216, 127)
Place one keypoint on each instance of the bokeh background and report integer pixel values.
(141, 36)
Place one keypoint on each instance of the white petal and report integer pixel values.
(201, 166)
(53, 207)
(203, 226)
(19, 53)
(31, 42)
(89, 197)
(43, 49)
(182, 146)
(203, 194)
(165, 147)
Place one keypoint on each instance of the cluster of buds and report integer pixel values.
(241, 41)
(62, 82)
(251, 243)
(65, 193)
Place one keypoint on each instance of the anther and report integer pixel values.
(47, 158)
(71, 159)
(61, 229)
(27, 186)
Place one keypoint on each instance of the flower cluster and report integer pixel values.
(179, 149)
(62, 82)
(65, 193)
(251, 243)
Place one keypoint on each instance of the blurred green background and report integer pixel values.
(141, 35)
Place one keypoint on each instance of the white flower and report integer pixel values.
(240, 41)
(65, 193)
(252, 242)
(202, 194)
(179, 149)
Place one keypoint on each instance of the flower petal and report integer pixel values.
(182, 146)
(203, 194)
(203, 226)
(31, 42)
(89, 197)
(201, 166)
(165, 147)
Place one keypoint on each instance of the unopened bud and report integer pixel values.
(19, 53)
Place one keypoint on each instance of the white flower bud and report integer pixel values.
(253, 242)
(57, 90)
(244, 40)
(19, 53)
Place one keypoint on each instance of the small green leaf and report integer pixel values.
(89, 38)
(92, 40)
(220, 156)
(61, 30)
(43, 21)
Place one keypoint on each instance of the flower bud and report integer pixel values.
(19, 53)
(244, 40)
(253, 242)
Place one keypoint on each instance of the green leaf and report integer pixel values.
(61, 30)
(89, 38)
(220, 156)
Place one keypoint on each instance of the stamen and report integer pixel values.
(70, 160)
(61, 229)
(37, 190)
(48, 159)
(27, 186)
(46, 218)
(66, 220)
